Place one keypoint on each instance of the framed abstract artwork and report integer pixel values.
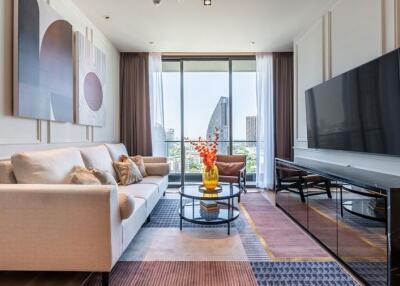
(90, 80)
(43, 63)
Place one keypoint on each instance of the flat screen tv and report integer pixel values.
(358, 110)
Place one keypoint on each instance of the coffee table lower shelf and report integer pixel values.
(192, 213)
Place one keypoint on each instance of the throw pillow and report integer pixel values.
(104, 177)
(138, 160)
(82, 176)
(127, 171)
(6, 173)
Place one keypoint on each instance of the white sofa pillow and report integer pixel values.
(45, 167)
(98, 157)
(116, 150)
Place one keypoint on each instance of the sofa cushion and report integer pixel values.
(148, 192)
(126, 204)
(98, 157)
(116, 150)
(161, 182)
(6, 173)
(45, 167)
(138, 160)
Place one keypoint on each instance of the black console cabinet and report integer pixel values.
(353, 213)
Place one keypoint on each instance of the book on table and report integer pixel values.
(210, 206)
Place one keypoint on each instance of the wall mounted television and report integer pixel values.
(358, 110)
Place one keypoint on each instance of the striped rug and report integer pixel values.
(174, 273)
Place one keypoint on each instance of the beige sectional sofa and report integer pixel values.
(47, 225)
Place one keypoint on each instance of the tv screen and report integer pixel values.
(358, 110)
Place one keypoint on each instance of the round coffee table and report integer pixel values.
(192, 212)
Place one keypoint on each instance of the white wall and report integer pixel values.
(17, 134)
(350, 33)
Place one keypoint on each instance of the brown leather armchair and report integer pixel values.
(232, 169)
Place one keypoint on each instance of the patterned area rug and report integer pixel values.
(165, 273)
(161, 254)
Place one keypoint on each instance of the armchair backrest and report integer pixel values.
(232, 158)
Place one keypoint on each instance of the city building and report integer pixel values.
(220, 120)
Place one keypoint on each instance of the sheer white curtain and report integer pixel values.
(156, 104)
(265, 121)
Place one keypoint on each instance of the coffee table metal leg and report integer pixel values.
(180, 220)
(230, 206)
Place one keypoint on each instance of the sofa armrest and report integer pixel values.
(59, 227)
(157, 169)
(148, 159)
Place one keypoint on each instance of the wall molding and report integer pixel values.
(37, 139)
(383, 26)
(302, 37)
(82, 129)
(397, 23)
(327, 49)
(295, 85)
(380, 29)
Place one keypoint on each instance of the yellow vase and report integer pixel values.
(210, 177)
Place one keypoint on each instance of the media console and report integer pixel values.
(353, 213)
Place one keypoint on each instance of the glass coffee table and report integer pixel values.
(192, 212)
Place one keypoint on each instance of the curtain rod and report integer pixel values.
(177, 54)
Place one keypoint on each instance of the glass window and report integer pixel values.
(172, 117)
(206, 107)
(244, 111)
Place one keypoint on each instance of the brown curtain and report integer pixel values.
(283, 95)
(135, 103)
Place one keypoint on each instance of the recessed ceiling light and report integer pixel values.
(107, 17)
(252, 43)
(151, 43)
(207, 2)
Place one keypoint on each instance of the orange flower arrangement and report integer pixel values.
(207, 150)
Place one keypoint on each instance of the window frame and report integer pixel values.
(181, 60)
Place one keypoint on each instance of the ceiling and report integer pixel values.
(189, 26)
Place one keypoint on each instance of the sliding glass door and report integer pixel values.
(244, 112)
(206, 107)
(201, 95)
